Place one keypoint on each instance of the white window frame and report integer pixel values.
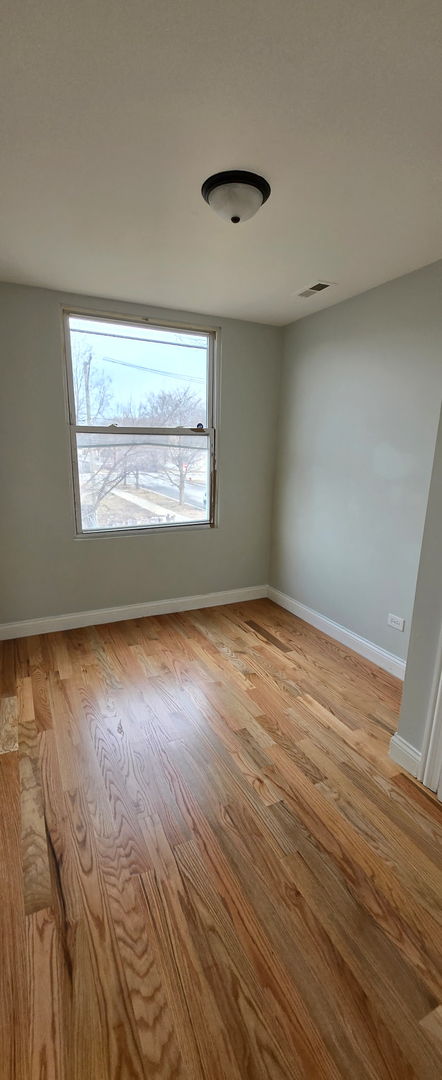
(112, 429)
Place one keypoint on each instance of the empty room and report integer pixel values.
(221, 540)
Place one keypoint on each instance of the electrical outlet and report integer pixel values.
(396, 622)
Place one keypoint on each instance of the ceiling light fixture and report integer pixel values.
(235, 195)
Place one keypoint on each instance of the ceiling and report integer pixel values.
(113, 112)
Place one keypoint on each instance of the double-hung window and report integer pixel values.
(141, 405)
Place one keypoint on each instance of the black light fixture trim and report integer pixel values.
(236, 176)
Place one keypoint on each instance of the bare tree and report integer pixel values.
(172, 458)
(175, 408)
(105, 467)
(108, 467)
(177, 462)
(102, 468)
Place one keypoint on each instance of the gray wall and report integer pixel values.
(427, 616)
(360, 397)
(44, 570)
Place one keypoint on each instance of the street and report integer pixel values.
(195, 492)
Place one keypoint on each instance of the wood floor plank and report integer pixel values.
(14, 1010)
(200, 920)
(377, 965)
(41, 663)
(8, 724)
(102, 965)
(217, 771)
(40, 696)
(226, 876)
(8, 669)
(171, 976)
(89, 1030)
(371, 880)
(209, 1048)
(47, 982)
(380, 791)
(162, 1055)
(65, 890)
(111, 779)
(34, 849)
(236, 988)
(383, 834)
(390, 983)
(326, 652)
(432, 1025)
(262, 632)
(364, 1047)
(25, 701)
(159, 1047)
(237, 851)
(418, 796)
(289, 1012)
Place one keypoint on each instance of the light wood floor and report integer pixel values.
(210, 866)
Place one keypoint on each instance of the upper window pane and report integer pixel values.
(129, 374)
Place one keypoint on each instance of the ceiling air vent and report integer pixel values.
(312, 289)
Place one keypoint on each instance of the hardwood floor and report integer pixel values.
(211, 869)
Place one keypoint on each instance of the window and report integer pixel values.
(142, 425)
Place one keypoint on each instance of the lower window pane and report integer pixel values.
(139, 481)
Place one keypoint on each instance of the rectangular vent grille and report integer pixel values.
(312, 289)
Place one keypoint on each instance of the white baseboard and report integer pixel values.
(404, 754)
(52, 623)
(386, 660)
(49, 625)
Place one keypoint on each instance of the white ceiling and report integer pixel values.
(113, 112)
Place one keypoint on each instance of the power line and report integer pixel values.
(154, 371)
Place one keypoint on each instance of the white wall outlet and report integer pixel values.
(396, 622)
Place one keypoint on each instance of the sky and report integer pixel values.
(122, 350)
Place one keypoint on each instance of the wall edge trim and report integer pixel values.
(386, 660)
(51, 623)
(404, 754)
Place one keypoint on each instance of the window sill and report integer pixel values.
(105, 534)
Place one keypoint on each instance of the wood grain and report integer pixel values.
(210, 867)
(14, 1013)
(34, 849)
(8, 724)
(46, 978)
(432, 1025)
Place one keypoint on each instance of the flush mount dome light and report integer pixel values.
(235, 195)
